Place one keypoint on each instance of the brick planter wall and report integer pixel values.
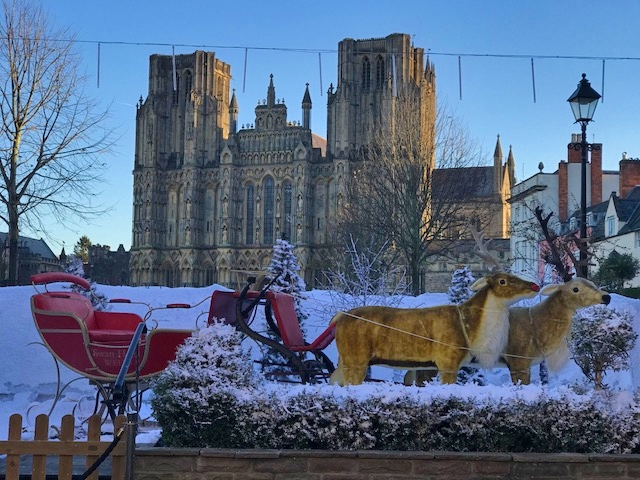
(222, 464)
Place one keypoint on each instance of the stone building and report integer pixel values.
(211, 197)
(34, 256)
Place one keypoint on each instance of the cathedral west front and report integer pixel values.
(211, 197)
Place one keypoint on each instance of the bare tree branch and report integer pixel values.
(52, 139)
(556, 253)
(411, 186)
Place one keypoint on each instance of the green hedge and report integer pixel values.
(314, 420)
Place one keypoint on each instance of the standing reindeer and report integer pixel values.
(536, 333)
(447, 335)
(540, 332)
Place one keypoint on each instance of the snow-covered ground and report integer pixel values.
(28, 373)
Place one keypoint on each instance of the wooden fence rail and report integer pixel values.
(65, 448)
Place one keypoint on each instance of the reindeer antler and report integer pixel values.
(483, 252)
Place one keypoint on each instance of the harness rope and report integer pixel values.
(422, 337)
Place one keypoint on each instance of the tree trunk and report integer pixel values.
(415, 278)
(598, 378)
(12, 211)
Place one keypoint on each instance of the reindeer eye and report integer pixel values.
(503, 281)
(576, 289)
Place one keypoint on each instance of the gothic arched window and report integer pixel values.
(268, 211)
(286, 226)
(366, 73)
(380, 80)
(188, 83)
(176, 88)
(250, 214)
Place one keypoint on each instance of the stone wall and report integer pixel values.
(222, 464)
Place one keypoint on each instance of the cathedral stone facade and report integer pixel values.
(211, 197)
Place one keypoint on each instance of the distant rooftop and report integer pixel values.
(35, 246)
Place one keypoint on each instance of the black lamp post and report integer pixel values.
(583, 104)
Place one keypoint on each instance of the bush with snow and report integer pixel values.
(196, 399)
(324, 417)
(600, 340)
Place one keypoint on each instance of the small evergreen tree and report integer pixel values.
(616, 269)
(461, 281)
(600, 340)
(75, 267)
(81, 248)
(284, 268)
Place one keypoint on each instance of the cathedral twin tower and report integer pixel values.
(210, 199)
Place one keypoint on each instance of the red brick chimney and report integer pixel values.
(574, 155)
(575, 151)
(563, 191)
(629, 175)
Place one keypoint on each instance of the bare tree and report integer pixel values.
(53, 132)
(411, 186)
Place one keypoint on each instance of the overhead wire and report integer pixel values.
(334, 50)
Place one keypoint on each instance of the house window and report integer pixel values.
(590, 219)
(638, 239)
(611, 226)
(573, 223)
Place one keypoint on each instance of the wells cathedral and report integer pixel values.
(211, 197)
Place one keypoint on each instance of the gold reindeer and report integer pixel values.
(540, 332)
(535, 333)
(447, 335)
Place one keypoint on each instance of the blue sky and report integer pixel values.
(495, 41)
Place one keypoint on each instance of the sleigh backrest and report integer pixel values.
(63, 310)
(284, 309)
(224, 304)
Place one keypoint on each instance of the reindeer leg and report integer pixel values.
(449, 365)
(354, 374)
(409, 378)
(337, 377)
(520, 371)
(420, 377)
(448, 376)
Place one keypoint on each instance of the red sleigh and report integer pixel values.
(114, 350)
(117, 351)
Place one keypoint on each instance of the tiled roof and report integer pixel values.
(35, 246)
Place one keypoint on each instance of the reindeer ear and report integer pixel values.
(478, 284)
(549, 289)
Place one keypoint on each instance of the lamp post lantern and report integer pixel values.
(583, 104)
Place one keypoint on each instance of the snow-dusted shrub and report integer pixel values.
(308, 421)
(197, 398)
(600, 340)
(316, 418)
